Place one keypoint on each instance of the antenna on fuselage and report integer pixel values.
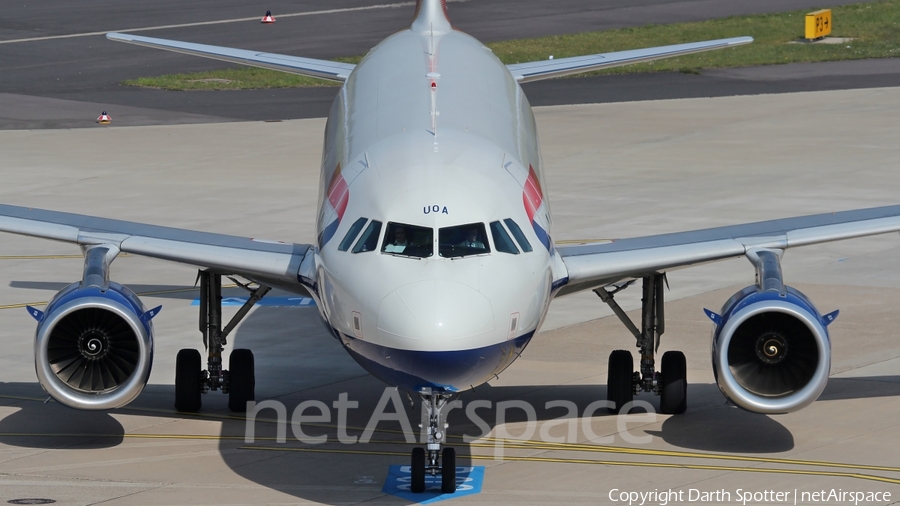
(431, 20)
(433, 76)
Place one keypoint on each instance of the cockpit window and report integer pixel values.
(463, 240)
(352, 233)
(408, 240)
(502, 241)
(369, 239)
(517, 233)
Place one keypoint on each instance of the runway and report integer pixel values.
(613, 170)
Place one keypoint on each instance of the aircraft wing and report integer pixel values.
(322, 69)
(546, 69)
(268, 262)
(597, 264)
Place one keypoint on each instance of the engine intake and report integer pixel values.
(93, 348)
(771, 352)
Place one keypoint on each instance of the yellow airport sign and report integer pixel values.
(818, 24)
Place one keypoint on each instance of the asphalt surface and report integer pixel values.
(612, 170)
(661, 166)
(56, 50)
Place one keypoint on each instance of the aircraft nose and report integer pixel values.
(435, 310)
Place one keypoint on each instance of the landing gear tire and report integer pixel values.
(620, 380)
(241, 380)
(448, 471)
(673, 391)
(417, 471)
(187, 381)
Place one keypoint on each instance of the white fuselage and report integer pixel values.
(431, 130)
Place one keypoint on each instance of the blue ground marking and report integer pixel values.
(266, 301)
(468, 482)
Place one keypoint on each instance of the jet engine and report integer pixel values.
(770, 349)
(93, 346)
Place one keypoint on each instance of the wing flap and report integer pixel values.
(598, 269)
(273, 267)
(46, 230)
(547, 69)
(840, 231)
(310, 67)
(596, 264)
(273, 262)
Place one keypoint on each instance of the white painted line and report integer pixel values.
(220, 21)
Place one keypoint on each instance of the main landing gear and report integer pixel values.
(670, 383)
(432, 459)
(239, 380)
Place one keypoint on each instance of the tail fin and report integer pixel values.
(431, 15)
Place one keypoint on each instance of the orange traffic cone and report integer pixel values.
(268, 19)
(104, 118)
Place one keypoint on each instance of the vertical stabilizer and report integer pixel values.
(431, 16)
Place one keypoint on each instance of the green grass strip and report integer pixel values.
(874, 28)
(239, 78)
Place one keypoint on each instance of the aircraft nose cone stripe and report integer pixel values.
(449, 371)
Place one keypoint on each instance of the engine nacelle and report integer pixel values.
(93, 348)
(770, 349)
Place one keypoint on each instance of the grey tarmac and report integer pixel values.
(613, 170)
(38, 69)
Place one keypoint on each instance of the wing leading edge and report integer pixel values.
(591, 265)
(546, 69)
(336, 71)
(271, 263)
(310, 67)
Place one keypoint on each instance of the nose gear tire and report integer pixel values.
(448, 471)
(417, 471)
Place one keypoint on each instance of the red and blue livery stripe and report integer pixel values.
(533, 198)
(337, 197)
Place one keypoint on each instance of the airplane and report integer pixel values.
(435, 262)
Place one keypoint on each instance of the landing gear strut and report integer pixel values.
(239, 380)
(432, 459)
(623, 382)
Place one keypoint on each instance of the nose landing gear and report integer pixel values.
(433, 459)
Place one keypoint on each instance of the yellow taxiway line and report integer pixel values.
(605, 463)
(487, 443)
(510, 445)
